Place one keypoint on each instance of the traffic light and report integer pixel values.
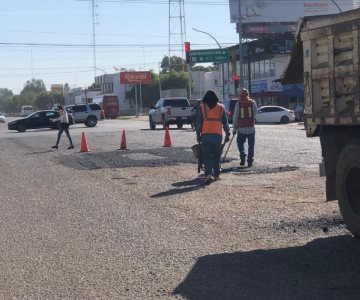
(236, 81)
(187, 52)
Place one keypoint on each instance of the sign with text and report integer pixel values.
(141, 77)
(209, 55)
(57, 88)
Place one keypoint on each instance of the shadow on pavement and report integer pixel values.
(182, 187)
(322, 269)
(41, 152)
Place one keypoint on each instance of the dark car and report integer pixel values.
(229, 108)
(39, 119)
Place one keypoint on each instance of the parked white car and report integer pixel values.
(2, 118)
(274, 114)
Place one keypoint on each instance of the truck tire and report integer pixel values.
(348, 185)
(179, 125)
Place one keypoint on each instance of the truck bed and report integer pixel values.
(327, 49)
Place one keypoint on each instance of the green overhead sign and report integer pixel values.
(209, 55)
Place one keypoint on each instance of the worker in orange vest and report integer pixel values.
(244, 125)
(211, 121)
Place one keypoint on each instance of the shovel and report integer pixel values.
(227, 150)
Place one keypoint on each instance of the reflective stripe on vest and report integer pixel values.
(212, 119)
(246, 114)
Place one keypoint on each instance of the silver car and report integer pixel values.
(89, 114)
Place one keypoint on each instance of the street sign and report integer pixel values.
(209, 55)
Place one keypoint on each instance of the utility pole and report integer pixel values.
(241, 73)
(94, 35)
(177, 28)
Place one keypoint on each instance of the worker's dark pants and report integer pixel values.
(241, 139)
(211, 152)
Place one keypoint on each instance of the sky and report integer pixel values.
(52, 40)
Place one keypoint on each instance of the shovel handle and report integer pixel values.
(227, 150)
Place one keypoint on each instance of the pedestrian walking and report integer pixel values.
(64, 126)
(244, 126)
(211, 121)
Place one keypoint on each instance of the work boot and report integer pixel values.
(250, 163)
(242, 162)
(217, 178)
(208, 179)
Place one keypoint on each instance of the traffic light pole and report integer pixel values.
(222, 65)
(241, 72)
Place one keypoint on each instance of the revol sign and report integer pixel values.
(209, 55)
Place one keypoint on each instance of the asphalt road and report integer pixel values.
(139, 224)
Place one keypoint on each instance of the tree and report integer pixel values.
(177, 64)
(12, 104)
(174, 80)
(46, 100)
(5, 95)
(31, 90)
(66, 88)
(36, 86)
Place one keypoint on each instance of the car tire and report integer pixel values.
(21, 128)
(284, 120)
(163, 121)
(347, 185)
(91, 121)
(179, 125)
(151, 123)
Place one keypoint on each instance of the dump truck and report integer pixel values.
(326, 58)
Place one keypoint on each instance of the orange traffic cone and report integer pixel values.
(84, 145)
(167, 142)
(123, 141)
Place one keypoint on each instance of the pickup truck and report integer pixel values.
(167, 111)
(326, 59)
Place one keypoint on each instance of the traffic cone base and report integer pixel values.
(167, 142)
(84, 146)
(123, 141)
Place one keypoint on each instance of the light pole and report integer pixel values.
(101, 70)
(222, 65)
(333, 1)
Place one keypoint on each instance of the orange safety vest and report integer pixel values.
(212, 118)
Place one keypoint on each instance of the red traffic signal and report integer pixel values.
(236, 77)
(187, 52)
(187, 47)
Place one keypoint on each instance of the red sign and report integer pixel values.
(143, 77)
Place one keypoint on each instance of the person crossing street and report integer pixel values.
(64, 126)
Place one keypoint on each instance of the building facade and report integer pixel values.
(264, 61)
